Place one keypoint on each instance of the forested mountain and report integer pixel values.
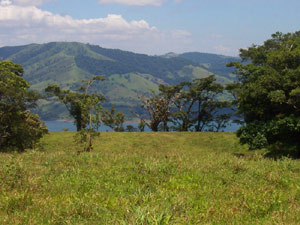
(212, 62)
(127, 74)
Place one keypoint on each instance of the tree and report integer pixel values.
(203, 93)
(141, 125)
(78, 103)
(112, 119)
(181, 116)
(268, 96)
(130, 128)
(84, 107)
(158, 108)
(19, 128)
(195, 105)
(187, 106)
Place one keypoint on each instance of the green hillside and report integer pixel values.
(212, 62)
(127, 74)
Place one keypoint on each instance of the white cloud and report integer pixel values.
(23, 2)
(137, 2)
(5, 2)
(28, 2)
(29, 24)
(134, 2)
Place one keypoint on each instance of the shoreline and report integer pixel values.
(69, 121)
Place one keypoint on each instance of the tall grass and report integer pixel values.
(148, 178)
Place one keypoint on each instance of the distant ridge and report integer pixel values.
(127, 74)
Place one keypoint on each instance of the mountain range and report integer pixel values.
(128, 74)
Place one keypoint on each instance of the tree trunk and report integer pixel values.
(199, 117)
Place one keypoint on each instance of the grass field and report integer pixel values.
(148, 178)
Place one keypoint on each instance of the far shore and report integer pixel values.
(62, 120)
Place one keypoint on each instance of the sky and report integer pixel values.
(152, 27)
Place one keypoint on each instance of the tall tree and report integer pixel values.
(86, 108)
(195, 105)
(204, 92)
(158, 108)
(19, 128)
(181, 116)
(78, 103)
(113, 119)
(269, 93)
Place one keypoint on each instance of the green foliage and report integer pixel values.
(212, 62)
(203, 93)
(148, 178)
(79, 104)
(128, 74)
(85, 108)
(187, 106)
(112, 119)
(141, 125)
(19, 129)
(122, 62)
(221, 120)
(85, 137)
(158, 108)
(268, 93)
(130, 128)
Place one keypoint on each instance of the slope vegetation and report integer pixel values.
(127, 74)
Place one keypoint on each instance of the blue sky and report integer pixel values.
(149, 26)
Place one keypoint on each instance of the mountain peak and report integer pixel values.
(170, 55)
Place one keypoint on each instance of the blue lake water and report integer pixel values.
(54, 126)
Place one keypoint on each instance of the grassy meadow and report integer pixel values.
(148, 178)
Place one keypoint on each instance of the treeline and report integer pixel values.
(183, 107)
(188, 106)
(266, 95)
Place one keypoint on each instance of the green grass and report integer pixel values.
(148, 178)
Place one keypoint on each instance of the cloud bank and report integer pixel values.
(137, 2)
(24, 2)
(134, 2)
(25, 23)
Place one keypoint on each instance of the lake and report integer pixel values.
(54, 126)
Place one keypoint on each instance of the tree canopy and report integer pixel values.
(268, 93)
(187, 106)
(87, 111)
(79, 104)
(19, 128)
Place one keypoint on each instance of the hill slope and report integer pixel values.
(127, 74)
(212, 62)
